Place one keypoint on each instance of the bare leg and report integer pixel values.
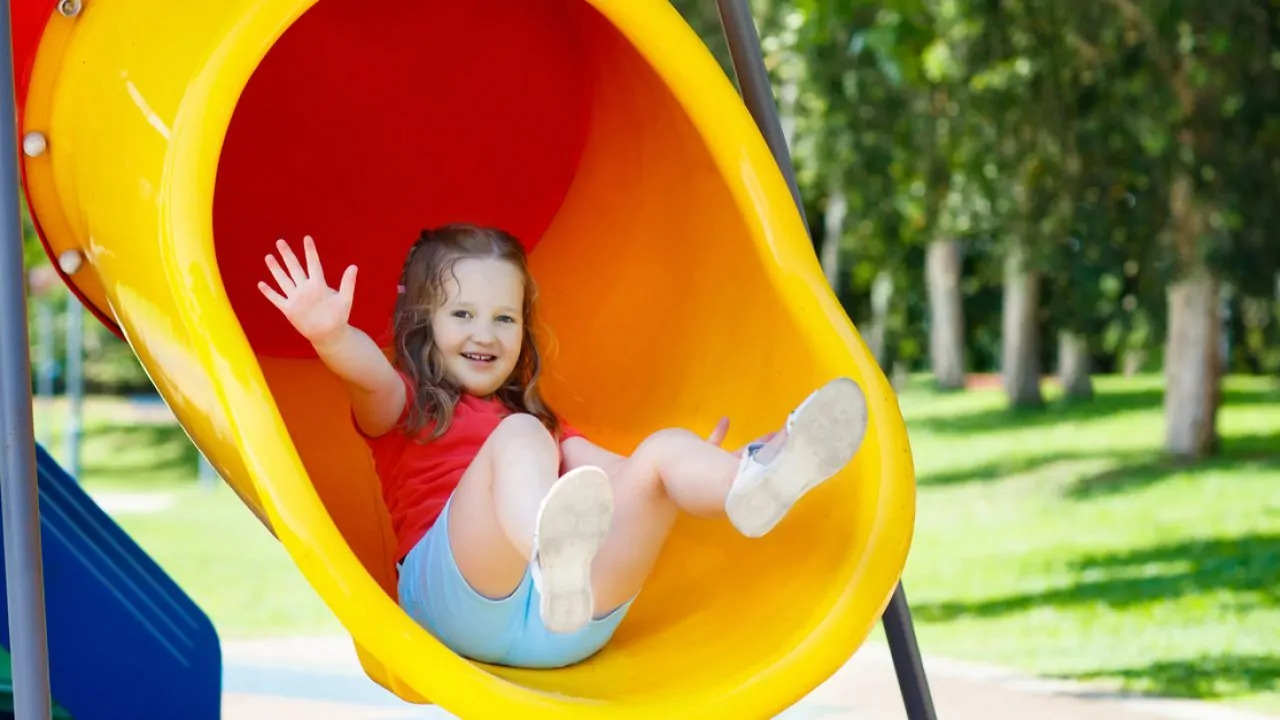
(670, 471)
(675, 470)
(494, 510)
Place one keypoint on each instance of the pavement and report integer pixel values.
(321, 679)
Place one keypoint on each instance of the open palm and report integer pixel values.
(316, 311)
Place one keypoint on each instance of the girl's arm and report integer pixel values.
(377, 393)
(320, 314)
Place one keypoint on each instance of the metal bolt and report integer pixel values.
(69, 261)
(34, 144)
(70, 8)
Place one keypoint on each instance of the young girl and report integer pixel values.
(519, 541)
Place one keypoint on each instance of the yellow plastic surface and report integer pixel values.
(707, 300)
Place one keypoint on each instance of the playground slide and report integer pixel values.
(170, 144)
(124, 641)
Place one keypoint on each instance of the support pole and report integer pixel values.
(19, 494)
(757, 93)
(75, 383)
(906, 658)
(48, 363)
(753, 79)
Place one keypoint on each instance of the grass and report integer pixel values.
(1058, 541)
(1062, 542)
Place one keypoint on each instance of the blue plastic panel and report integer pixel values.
(124, 640)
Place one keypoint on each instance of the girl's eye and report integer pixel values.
(461, 314)
(506, 319)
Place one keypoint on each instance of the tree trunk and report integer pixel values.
(1020, 351)
(1132, 362)
(946, 314)
(1075, 365)
(833, 224)
(1192, 353)
(877, 337)
(1191, 369)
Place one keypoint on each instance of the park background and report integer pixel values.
(1055, 224)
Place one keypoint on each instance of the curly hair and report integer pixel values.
(422, 290)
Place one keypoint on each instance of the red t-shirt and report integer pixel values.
(418, 478)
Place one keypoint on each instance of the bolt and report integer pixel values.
(34, 144)
(69, 261)
(70, 8)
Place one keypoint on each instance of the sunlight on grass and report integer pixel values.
(1061, 541)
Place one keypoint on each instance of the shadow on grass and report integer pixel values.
(1127, 471)
(1204, 677)
(128, 451)
(1250, 563)
(1255, 452)
(1006, 467)
(1103, 404)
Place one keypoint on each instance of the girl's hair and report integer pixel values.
(422, 291)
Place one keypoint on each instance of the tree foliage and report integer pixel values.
(1059, 125)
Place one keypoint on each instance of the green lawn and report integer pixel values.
(1058, 541)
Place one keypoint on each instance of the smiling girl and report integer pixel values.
(520, 542)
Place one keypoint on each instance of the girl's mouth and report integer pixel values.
(479, 357)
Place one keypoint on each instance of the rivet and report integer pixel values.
(34, 144)
(70, 8)
(69, 261)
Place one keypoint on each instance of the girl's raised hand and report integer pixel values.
(318, 312)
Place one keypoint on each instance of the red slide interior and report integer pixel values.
(370, 121)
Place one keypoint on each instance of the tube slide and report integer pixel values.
(178, 141)
(124, 640)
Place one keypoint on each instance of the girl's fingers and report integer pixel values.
(718, 434)
(276, 298)
(291, 262)
(286, 284)
(347, 289)
(314, 269)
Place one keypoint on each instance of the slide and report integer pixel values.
(124, 640)
(168, 145)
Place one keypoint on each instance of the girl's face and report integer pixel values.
(479, 329)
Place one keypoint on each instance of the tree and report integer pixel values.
(1209, 92)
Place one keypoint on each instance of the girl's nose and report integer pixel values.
(482, 332)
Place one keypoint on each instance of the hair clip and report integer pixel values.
(399, 289)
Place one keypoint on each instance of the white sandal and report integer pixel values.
(573, 522)
(822, 436)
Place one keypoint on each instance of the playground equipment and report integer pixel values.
(124, 640)
(169, 144)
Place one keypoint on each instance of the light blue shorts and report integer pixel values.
(506, 631)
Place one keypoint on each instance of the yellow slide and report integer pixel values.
(169, 144)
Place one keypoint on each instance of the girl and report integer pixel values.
(519, 541)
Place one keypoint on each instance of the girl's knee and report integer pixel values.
(523, 427)
(664, 440)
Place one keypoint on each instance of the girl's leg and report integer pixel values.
(676, 470)
(670, 471)
(494, 509)
(511, 505)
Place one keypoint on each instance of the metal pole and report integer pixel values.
(48, 363)
(757, 93)
(906, 658)
(206, 473)
(19, 493)
(75, 383)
